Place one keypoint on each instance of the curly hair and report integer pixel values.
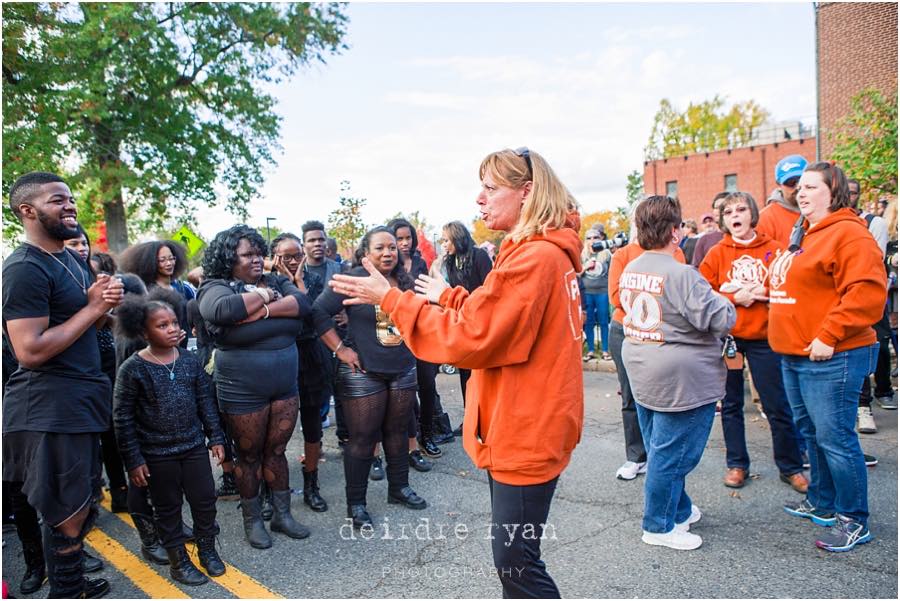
(221, 254)
(141, 260)
(132, 314)
(105, 262)
(404, 280)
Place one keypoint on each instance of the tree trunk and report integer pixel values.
(107, 157)
(116, 225)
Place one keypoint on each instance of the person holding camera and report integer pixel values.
(596, 259)
(738, 267)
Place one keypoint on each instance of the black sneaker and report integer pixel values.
(458, 431)
(429, 448)
(871, 460)
(844, 535)
(805, 509)
(419, 463)
(376, 472)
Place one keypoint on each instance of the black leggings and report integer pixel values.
(261, 439)
(422, 416)
(383, 414)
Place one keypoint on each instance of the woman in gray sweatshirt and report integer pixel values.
(673, 324)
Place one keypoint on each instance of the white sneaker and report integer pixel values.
(326, 423)
(865, 422)
(630, 470)
(692, 519)
(676, 539)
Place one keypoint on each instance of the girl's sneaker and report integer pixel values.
(805, 509)
(844, 535)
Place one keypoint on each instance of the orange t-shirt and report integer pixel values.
(730, 266)
(621, 258)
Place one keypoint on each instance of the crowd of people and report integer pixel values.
(139, 367)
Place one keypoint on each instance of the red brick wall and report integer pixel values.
(857, 46)
(701, 176)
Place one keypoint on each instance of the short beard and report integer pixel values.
(57, 230)
(792, 199)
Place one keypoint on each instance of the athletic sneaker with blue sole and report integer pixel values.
(844, 535)
(805, 509)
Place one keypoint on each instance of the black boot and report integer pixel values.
(151, 548)
(282, 520)
(35, 570)
(254, 527)
(426, 442)
(228, 491)
(265, 496)
(311, 494)
(209, 558)
(96, 588)
(182, 569)
(359, 515)
(406, 496)
(418, 462)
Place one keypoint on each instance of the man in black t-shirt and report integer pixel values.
(57, 402)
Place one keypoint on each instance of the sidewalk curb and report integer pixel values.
(599, 365)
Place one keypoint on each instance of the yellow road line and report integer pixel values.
(238, 583)
(133, 567)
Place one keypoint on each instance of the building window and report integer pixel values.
(672, 189)
(731, 182)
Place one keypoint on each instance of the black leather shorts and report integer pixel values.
(354, 385)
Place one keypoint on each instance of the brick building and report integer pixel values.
(856, 47)
(695, 179)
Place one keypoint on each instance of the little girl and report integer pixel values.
(164, 416)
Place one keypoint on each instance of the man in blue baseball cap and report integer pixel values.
(779, 217)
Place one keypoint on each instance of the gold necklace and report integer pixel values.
(83, 284)
(166, 365)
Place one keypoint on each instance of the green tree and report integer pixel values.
(634, 187)
(149, 108)
(866, 142)
(481, 233)
(702, 127)
(345, 223)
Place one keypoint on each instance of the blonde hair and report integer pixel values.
(549, 202)
(890, 215)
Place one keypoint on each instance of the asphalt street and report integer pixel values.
(751, 548)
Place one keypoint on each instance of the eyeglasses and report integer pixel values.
(523, 152)
(708, 220)
(296, 257)
(164, 260)
(592, 237)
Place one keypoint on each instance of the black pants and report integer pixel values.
(464, 375)
(634, 442)
(112, 461)
(186, 474)
(423, 412)
(519, 515)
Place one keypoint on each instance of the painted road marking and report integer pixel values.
(235, 581)
(133, 567)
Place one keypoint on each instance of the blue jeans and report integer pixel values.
(597, 307)
(824, 397)
(675, 443)
(765, 366)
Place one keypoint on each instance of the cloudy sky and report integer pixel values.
(425, 91)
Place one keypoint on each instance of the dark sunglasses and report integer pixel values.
(522, 151)
(791, 183)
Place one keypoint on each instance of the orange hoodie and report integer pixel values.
(621, 258)
(834, 288)
(730, 265)
(776, 222)
(521, 334)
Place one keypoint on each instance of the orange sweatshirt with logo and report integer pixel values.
(521, 335)
(776, 222)
(730, 266)
(833, 288)
(621, 258)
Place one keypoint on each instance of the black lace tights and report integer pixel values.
(383, 415)
(260, 440)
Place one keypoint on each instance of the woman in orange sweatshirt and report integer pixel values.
(521, 335)
(738, 267)
(825, 291)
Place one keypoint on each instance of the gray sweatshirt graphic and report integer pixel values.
(673, 323)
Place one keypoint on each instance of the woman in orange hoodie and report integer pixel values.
(738, 267)
(825, 291)
(521, 334)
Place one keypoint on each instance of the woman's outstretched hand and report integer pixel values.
(362, 291)
(430, 287)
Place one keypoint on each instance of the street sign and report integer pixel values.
(191, 241)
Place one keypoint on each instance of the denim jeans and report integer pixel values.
(824, 397)
(765, 367)
(597, 307)
(518, 519)
(675, 441)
